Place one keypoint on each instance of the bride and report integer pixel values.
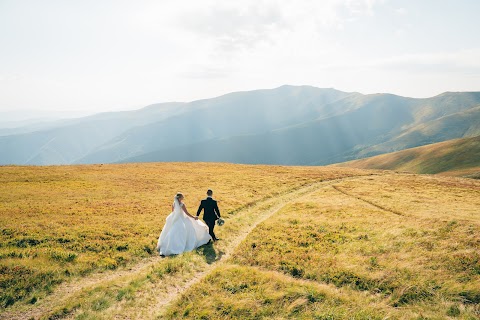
(182, 231)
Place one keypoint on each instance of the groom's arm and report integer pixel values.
(216, 209)
(200, 208)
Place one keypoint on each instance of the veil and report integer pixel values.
(175, 202)
(176, 206)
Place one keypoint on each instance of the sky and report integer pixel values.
(88, 56)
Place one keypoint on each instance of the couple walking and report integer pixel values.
(183, 232)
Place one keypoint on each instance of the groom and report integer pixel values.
(211, 213)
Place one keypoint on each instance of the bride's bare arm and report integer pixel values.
(188, 214)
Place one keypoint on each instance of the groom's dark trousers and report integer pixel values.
(211, 225)
(210, 214)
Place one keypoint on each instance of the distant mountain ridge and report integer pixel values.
(291, 125)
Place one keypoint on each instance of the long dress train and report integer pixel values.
(181, 233)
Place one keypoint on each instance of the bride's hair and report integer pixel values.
(179, 196)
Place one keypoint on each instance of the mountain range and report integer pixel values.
(289, 125)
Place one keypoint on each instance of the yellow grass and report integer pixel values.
(457, 157)
(65, 222)
(406, 244)
(77, 242)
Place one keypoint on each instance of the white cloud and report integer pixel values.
(244, 24)
(113, 54)
(236, 27)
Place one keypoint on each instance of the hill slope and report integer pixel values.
(344, 129)
(232, 115)
(465, 123)
(63, 142)
(453, 157)
(294, 125)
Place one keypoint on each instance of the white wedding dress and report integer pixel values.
(181, 233)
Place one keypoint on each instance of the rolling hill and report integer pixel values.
(458, 157)
(460, 124)
(291, 125)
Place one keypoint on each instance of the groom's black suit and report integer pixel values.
(210, 214)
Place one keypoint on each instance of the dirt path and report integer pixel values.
(164, 295)
(163, 301)
(64, 292)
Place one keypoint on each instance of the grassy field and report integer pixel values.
(388, 246)
(78, 242)
(65, 222)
